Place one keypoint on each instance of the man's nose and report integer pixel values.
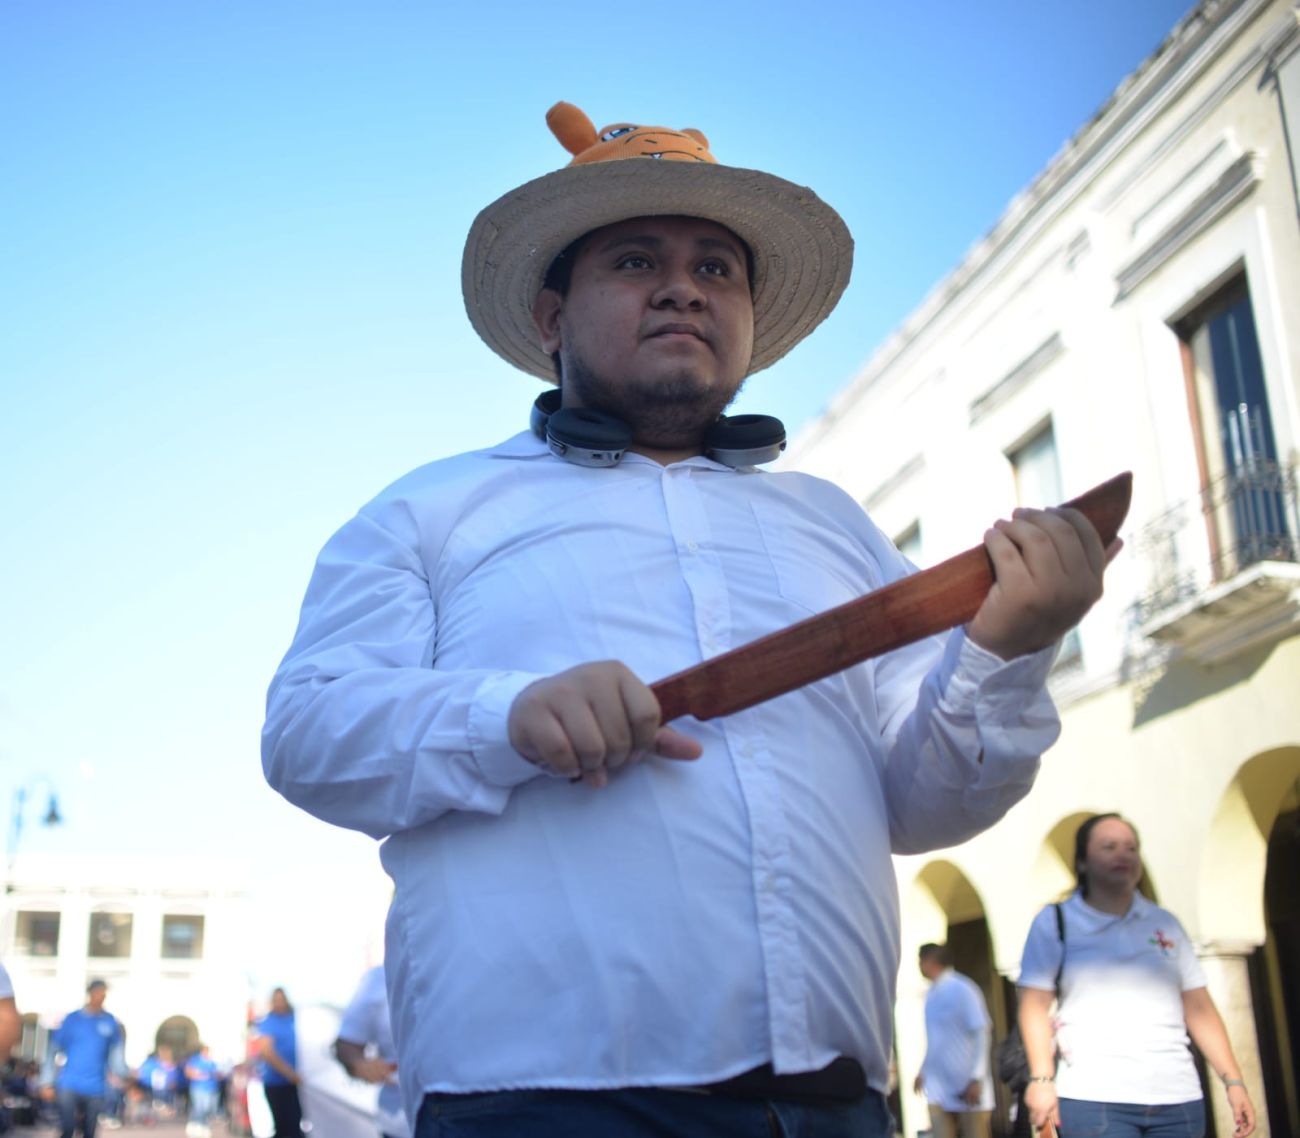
(678, 289)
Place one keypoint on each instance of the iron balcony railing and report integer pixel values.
(1247, 516)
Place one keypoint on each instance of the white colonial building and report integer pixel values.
(1137, 307)
(168, 934)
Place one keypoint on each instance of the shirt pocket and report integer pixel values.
(816, 564)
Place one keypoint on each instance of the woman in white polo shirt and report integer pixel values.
(1131, 992)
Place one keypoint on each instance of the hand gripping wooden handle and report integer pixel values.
(927, 602)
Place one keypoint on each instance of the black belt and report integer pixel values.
(843, 1080)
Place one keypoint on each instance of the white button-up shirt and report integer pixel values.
(692, 919)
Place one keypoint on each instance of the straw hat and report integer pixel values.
(802, 249)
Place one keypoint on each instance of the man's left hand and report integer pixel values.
(971, 1095)
(1048, 566)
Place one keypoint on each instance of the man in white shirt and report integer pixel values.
(713, 911)
(958, 1034)
(366, 1049)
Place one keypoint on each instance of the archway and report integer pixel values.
(1276, 976)
(180, 1035)
(946, 909)
(1249, 908)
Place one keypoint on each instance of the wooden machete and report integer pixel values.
(901, 613)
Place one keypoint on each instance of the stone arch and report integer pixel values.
(1230, 894)
(180, 1034)
(1249, 912)
(943, 906)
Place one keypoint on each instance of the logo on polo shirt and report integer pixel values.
(1162, 942)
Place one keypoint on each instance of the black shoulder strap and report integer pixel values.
(1060, 932)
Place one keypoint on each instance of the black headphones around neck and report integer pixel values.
(592, 438)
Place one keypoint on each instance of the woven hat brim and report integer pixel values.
(803, 253)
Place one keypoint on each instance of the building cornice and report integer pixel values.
(1194, 45)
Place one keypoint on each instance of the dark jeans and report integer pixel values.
(645, 1113)
(1083, 1119)
(71, 1105)
(286, 1110)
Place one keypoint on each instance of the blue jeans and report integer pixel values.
(203, 1103)
(645, 1113)
(70, 1105)
(1083, 1119)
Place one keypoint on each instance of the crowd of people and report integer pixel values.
(82, 1083)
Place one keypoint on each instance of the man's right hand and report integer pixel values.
(591, 720)
(372, 1069)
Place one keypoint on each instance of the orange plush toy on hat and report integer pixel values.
(623, 140)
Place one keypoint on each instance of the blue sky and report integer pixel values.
(230, 242)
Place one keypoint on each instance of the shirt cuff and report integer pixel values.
(1024, 676)
(1007, 699)
(488, 730)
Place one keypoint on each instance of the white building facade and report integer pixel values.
(1137, 307)
(169, 935)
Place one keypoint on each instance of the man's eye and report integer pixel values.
(716, 268)
(634, 261)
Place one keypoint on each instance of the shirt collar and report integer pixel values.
(523, 445)
(1139, 908)
(526, 445)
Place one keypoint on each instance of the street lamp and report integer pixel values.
(52, 817)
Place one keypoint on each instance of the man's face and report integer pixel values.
(657, 327)
(95, 997)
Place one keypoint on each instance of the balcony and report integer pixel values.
(1224, 568)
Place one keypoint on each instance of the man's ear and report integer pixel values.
(546, 317)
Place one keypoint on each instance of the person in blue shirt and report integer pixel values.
(277, 1049)
(90, 1040)
(205, 1082)
(159, 1079)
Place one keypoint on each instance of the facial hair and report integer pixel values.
(671, 413)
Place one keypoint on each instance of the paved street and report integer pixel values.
(172, 1128)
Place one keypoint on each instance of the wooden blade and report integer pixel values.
(901, 613)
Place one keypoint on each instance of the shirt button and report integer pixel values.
(693, 546)
(769, 883)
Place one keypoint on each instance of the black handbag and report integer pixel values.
(1009, 1055)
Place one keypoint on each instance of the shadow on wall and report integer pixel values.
(1184, 682)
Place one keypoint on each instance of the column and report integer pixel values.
(1228, 981)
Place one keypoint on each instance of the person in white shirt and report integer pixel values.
(366, 1049)
(958, 1034)
(1131, 993)
(713, 910)
(11, 1023)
